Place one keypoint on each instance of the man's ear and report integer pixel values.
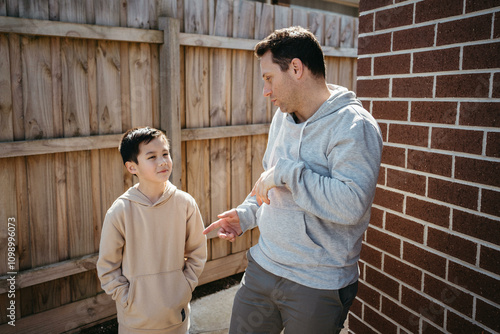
(297, 67)
(131, 167)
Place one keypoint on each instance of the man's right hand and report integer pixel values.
(228, 224)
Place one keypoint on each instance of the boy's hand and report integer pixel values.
(229, 224)
(263, 185)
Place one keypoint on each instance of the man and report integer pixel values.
(312, 203)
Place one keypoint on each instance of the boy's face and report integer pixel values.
(154, 164)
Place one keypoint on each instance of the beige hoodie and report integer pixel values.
(150, 258)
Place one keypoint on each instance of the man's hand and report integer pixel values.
(229, 224)
(263, 185)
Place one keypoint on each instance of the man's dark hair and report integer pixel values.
(294, 42)
(129, 145)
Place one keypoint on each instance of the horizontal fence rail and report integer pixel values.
(88, 31)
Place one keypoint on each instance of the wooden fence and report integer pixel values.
(74, 76)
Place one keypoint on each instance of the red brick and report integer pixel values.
(412, 87)
(400, 315)
(364, 67)
(463, 85)
(374, 44)
(368, 295)
(371, 255)
(424, 306)
(453, 193)
(403, 272)
(405, 227)
(452, 245)
(389, 199)
(492, 144)
(481, 56)
(476, 226)
(488, 315)
(377, 217)
(496, 33)
(383, 241)
(430, 328)
(356, 325)
(480, 113)
(398, 64)
(464, 30)
(433, 112)
(490, 202)
(430, 212)
(428, 162)
(356, 307)
(365, 5)
(458, 324)
(496, 85)
(475, 6)
(382, 282)
(449, 295)
(409, 134)
(381, 176)
(392, 110)
(489, 259)
(405, 181)
(424, 259)
(383, 129)
(429, 10)
(413, 38)
(457, 140)
(378, 322)
(394, 17)
(437, 60)
(373, 88)
(365, 23)
(394, 156)
(481, 284)
(480, 171)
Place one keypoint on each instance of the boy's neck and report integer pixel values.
(152, 191)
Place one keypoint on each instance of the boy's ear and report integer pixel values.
(131, 167)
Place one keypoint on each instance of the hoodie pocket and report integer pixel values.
(157, 301)
(284, 238)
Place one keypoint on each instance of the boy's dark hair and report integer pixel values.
(129, 145)
(294, 42)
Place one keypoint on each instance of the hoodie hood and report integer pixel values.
(340, 97)
(133, 194)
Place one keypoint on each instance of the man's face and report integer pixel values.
(278, 85)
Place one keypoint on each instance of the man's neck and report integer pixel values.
(313, 99)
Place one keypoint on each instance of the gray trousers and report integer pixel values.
(267, 304)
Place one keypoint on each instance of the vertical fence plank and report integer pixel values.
(316, 25)
(332, 30)
(140, 84)
(220, 104)
(169, 77)
(6, 114)
(241, 113)
(299, 18)
(197, 108)
(282, 17)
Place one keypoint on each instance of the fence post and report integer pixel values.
(170, 121)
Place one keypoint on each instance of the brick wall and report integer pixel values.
(429, 72)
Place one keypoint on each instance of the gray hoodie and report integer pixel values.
(326, 170)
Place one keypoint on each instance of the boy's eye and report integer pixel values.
(151, 157)
(165, 154)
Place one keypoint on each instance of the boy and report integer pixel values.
(152, 248)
